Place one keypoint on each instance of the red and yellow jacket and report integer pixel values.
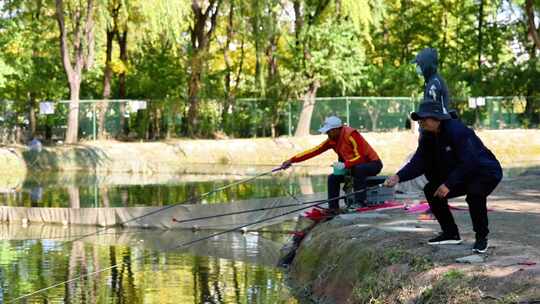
(351, 148)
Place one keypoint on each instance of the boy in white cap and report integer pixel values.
(354, 153)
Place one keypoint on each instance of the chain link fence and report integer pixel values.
(379, 114)
(249, 117)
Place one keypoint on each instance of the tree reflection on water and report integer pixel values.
(87, 190)
(234, 268)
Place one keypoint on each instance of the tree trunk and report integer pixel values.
(445, 38)
(480, 34)
(32, 114)
(229, 94)
(74, 197)
(200, 38)
(480, 38)
(303, 48)
(73, 113)
(373, 116)
(122, 93)
(274, 91)
(104, 193)
(308, 106)
(533, 103)
(193, 92)
(157, 124)
(259, 62)
(107, 77)
(83, 18)
(533, 31)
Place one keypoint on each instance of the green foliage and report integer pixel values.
(454, 274)
(348, 47)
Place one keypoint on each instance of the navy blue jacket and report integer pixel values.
(434, 86)
(453, 156)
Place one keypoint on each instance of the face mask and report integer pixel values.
(419, 70)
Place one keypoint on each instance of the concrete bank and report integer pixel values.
(12, 168)
(512, 147)
(382, 257)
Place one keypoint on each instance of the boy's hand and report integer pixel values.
(286, 164)
(339, 165)
(442, 191)
(391, 181)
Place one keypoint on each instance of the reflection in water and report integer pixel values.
(88, 190)
(83, 189)
(221, 270)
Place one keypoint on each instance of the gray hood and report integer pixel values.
(427, 59)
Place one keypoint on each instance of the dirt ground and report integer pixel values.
(383, 257)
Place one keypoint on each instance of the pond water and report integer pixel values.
(233, 268)
(83, 190)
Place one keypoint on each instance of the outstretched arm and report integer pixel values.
(309, 153)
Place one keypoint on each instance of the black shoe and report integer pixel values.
(480, 246)
(445, 239)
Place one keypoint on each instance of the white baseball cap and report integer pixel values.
(330, 123)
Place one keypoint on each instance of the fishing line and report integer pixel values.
(191, 200)
(171, 248)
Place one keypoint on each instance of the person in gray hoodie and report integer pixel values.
(434, 85)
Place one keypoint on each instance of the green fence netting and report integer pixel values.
(255, 117)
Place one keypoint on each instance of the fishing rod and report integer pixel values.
(254, 210)
(191, 200)
(299, 203)
(185, 244)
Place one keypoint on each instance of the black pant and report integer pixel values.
(359, 174)
(476, 192)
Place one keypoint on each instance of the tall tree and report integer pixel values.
(532, 12)
(159, 52)
(328, 48)
(29, 62)
(111, 30)
(533, 29)
(234, 44)
(76, 49)
(203, 25)
(122, 38)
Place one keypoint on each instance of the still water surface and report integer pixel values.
(233, 268)
(83, 190)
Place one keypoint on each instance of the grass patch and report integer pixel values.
(452, 288)
(385, 273)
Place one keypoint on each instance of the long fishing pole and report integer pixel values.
(193, 199)
(312, 204)
(171, 248)
(253, 210)
(298, 203)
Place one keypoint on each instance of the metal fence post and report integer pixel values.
(348, 102)
(290, 118)
(94, 121)
(96, 197)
